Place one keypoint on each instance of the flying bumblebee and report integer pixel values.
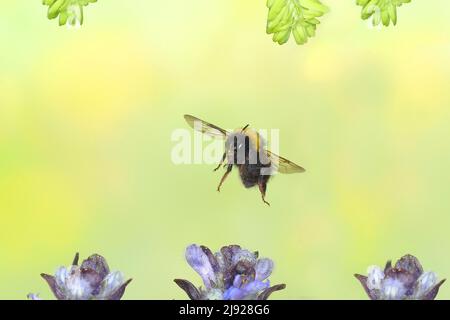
(246, 149)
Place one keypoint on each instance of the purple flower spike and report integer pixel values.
(90, 281)
(230, 274)
(405, 281)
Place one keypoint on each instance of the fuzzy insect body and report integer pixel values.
(246, 149)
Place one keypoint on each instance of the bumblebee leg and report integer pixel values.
(262, 188)
(230, 166)
(221, 161)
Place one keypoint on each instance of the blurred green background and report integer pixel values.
(86, 118)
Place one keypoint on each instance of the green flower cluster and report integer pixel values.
(298, 17)
(381, 11)
(70, 12)
(285, 17)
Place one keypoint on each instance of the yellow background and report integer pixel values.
(86, 118)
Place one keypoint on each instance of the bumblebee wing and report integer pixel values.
(283, 165)
(205, 127)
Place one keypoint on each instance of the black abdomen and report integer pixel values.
(251, 174)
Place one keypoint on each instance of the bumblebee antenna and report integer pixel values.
(243, 129)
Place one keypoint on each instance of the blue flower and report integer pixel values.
(231, 274)
(404, 281)
(92, 280)
(198, 259)
(243, 289)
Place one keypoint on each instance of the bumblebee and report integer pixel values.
(246, 149)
